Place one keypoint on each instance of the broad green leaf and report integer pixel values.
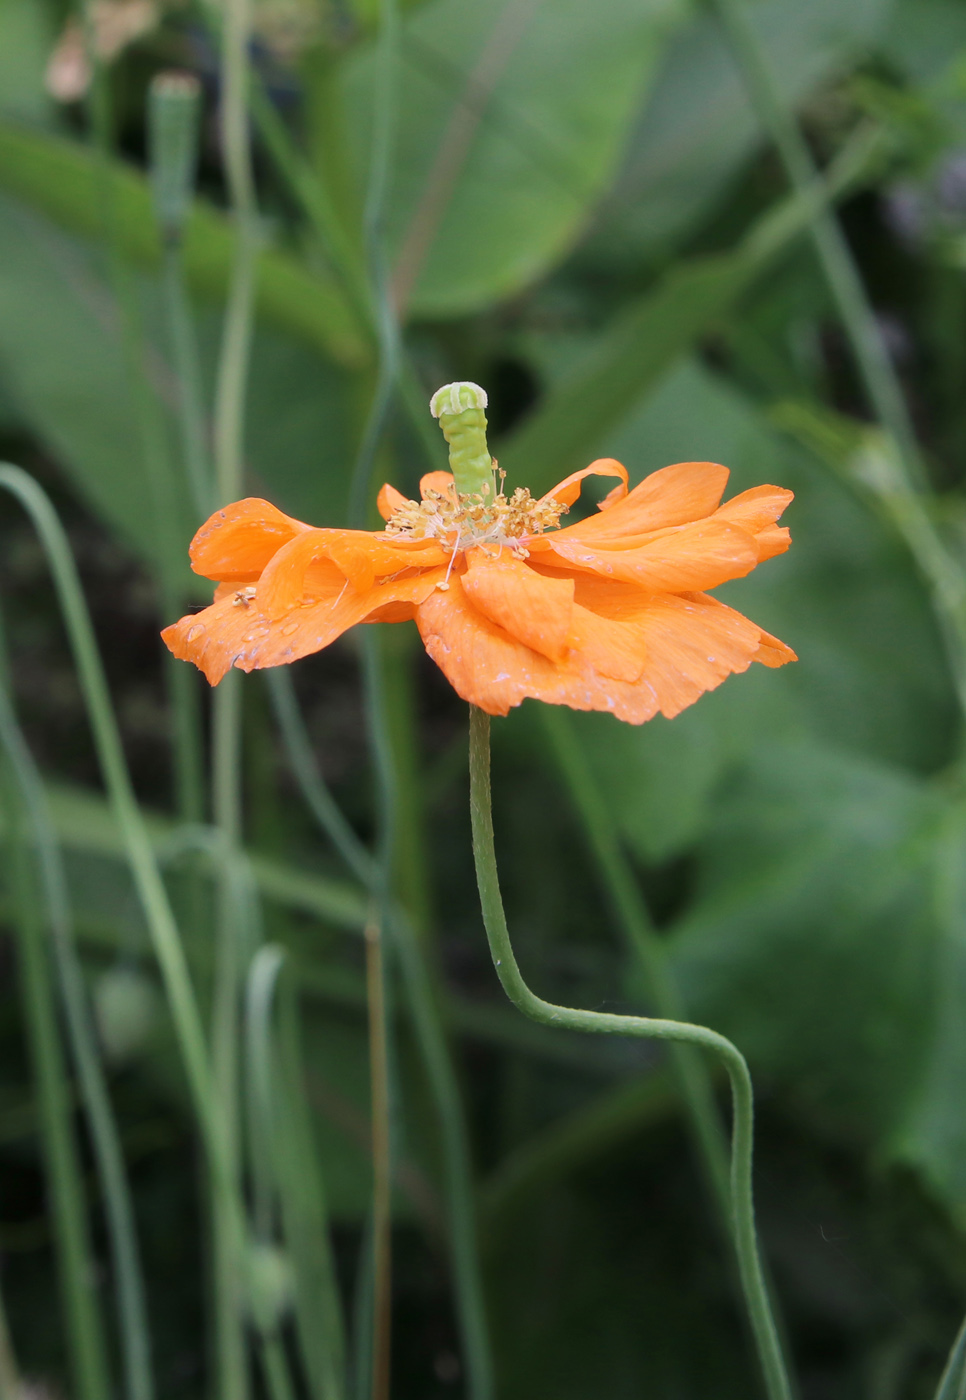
(511, 121)
(64, 365)
(610, 378)
(69, 184)
(64, 369)
(698, 126)
(811, 941)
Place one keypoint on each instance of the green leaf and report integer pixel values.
(698, 126)
(28, 38)
(64, 366)
(932, 1138)
(100, 200)
(511, 123)
(811, 941)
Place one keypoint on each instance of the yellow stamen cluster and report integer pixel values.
(465, 522)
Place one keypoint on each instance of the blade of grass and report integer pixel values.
(11, 1386)
(424, 1008)
(285, 1171)
(85, 1331)
(144, 867)
(115, 1193)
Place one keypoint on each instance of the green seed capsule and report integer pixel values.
(459, 408)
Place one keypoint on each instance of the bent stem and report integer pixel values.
(772, 1362)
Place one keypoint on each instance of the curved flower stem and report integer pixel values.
(635, 923)
(776, 1380)
(115, 1192)
(381, 1160)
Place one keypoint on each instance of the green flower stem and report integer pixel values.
(130, 823)
(115, 1193)
(85, 1332)
(775, 1376)
(643, 944)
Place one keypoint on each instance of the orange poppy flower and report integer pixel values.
(610, 613)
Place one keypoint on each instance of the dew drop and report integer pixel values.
(289, 628)
(195, 632)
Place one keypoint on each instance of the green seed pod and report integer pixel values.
(174, 109)
(459, 408)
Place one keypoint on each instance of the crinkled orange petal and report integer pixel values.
(361, 557)
(236, 543)
(615, 649)
(389, 500)
(567, 491)
(694, 643)
(691, 559)
(230, 634)
(534, 609)
(757, 511)
(492, 670)
(676, 495)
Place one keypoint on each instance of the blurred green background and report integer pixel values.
(575, 199)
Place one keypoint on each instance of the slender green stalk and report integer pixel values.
(237, 334)
(115, 1193)
(85, 1332)
(11, 1387)
(644, 945)
(381, 1161)
(386, 325)
(774, 1373)
(952, 1383)
(431, 1038)
(423, 1007)
(127, 814)
(879, 378)
(187, 368)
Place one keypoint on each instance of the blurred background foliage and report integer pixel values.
(580, 195)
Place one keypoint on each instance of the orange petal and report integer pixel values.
(228, 634)
(615, 649)
(491, 669)
(676, 495)
(688, 560)
(757, 511)
(534, 609)
(236, 543)
(567, 491)
(389, 500)
(694, 643)
(440, 482)
(298, 569)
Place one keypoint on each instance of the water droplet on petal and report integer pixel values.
(195, 632)
(289, 628)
